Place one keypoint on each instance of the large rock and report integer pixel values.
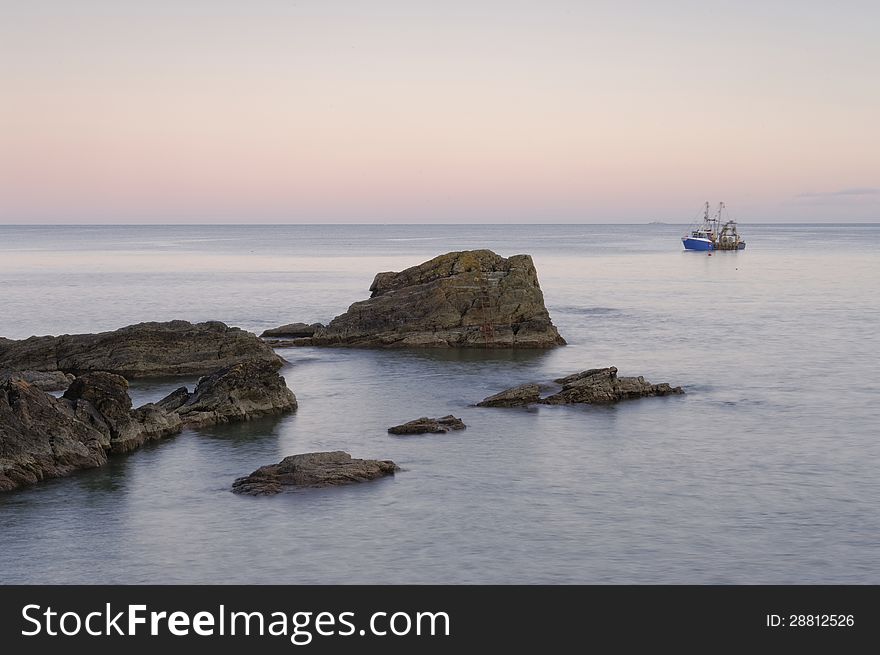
(472, 299)
(312, 470)
(40, 437)
(43, 380)
(43, 437)
(424, 425)
(142, 350)
(236, 393)
(594, 386)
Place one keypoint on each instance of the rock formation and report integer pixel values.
(142, 350)
(236, 393)
(472, 299)
(425, 424)
(312, 470)
(292, 331)
(43, 437)
(595, 386)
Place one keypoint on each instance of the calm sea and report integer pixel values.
(765, 472)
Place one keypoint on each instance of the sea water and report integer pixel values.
(765, 472)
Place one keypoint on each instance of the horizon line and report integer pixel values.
(378, 224)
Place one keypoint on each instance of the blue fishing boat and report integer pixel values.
(713, 233)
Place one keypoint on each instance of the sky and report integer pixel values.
(542, 111)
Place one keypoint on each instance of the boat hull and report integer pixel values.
(697, 244)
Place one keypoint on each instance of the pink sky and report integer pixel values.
(437, 112)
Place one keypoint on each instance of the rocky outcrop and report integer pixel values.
(236, 393)
(43, 380)
(312, 470)
(142, 350)
(524, 394)
(424, 425)
(292, 331)
(471, 299)
(43, 437)
(595, 386)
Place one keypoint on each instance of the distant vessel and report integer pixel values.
(711, 234)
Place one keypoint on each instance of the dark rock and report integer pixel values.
(472, 299)
(524, 394)
(236, 393)
(142, 350)
(595, 386)
(107, 395)
(41, 438)
(312, 470)
(292, 330)
(155, 422)
(601, 385)
(425, 424)
(174, 399)
(42, 380)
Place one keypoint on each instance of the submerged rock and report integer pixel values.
(43, 380)
(424, 424)
(142, 350)
(312, 470)
(292, 331)
(594, 386)
(287, 343)
(236, 393)
(474, 298)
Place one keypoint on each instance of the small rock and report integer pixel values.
(602, 386)
(42, 380)
(292, 330)
(525, 394)
(594, 386)
(312, 470)
(425, 424)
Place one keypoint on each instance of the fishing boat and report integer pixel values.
(713, 233)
